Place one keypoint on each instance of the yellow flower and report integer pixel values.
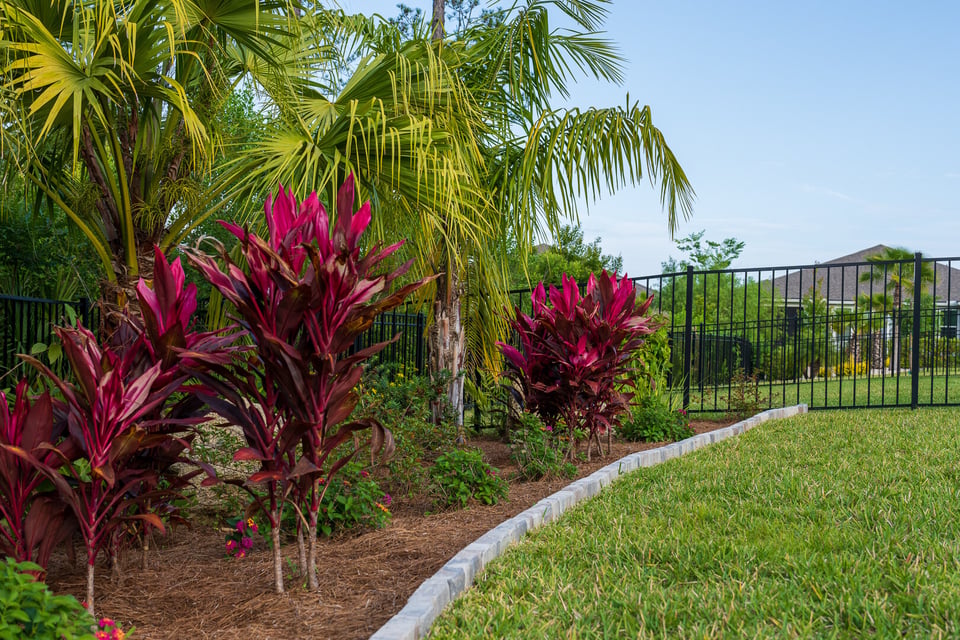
(383, 508)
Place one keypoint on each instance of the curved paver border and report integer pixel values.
(436, 592)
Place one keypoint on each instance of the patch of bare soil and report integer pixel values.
(190, 589)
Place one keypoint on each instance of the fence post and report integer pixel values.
(83, 306)
(915, 334)
(687, 339)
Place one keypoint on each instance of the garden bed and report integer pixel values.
(191, 589)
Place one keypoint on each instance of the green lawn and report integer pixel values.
(833, 524)
(841, 392)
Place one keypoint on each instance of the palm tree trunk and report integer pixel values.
(446, 343)
(895, 356)
(439, 15)
(115, 297)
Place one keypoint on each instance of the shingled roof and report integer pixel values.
(838, 280)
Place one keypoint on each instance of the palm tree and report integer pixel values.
(497, 160)
(108, 111)
(894, 267)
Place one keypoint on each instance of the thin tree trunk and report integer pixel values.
(439, 16)
(301, 550)
(447, 340)
(876, 349)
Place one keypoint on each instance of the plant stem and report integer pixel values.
(301, 549)
(277, 558)
(90, 573)
(312, 582)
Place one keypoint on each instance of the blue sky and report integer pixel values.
(808, 129)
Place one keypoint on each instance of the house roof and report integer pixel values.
(839, 280)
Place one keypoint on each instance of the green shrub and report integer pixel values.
(462, 474)
(651, 363)
(745, 397)
(535, 450)
(651, 420)
(353, 500)
(402, 404)
(29, 610)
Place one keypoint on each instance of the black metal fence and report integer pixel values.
(26, 326)
(833, 335)
(409, 352)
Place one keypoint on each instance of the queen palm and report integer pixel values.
(499, 161)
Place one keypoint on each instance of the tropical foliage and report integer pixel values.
(306, 293)
(107, 441)
(459, 145)
(107, 111)
(895, 271)
(32, 521)
(575, 352)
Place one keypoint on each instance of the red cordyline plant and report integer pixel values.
(102, 411)
(32, 523)
(575, 353)
(161, 334)
(120, 439)
(307, 293)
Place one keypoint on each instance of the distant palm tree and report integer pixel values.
(894, 268)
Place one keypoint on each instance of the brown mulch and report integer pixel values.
(190, 589)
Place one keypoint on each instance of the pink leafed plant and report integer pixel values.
(306, 292)
(575, 353)
(32, 522)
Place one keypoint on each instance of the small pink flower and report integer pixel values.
(386, 499)
(246, 543)
(106, 622)
(240, 526)
(364, 474)
(231, 545)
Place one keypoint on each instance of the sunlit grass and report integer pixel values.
(877, 391)
(833, 524)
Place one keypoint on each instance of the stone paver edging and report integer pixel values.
(431, 597)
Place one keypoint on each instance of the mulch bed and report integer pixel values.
(190, 589)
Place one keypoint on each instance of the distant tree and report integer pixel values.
(570, 255)
(704, 255)
(716, 297)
